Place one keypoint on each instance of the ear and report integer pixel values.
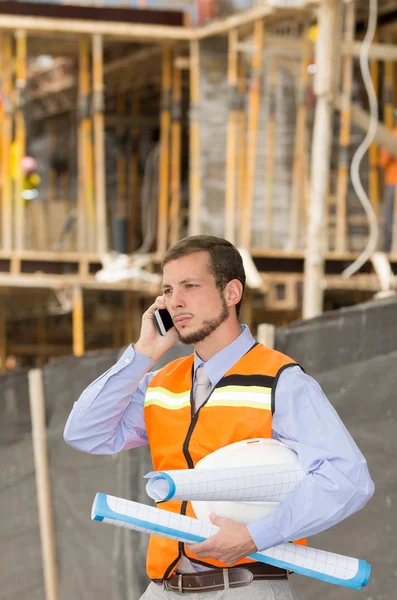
(233, 292)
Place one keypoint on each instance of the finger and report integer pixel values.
(218, 520)
(200, 547)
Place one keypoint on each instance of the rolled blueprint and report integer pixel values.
(326, 566)
(270, 483)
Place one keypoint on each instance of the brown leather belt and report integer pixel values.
(220, 579)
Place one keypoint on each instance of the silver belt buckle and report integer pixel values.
(180, 587)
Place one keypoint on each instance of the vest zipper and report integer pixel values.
(188, 458)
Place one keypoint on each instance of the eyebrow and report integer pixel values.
(187, 280)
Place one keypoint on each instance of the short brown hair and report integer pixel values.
(225, 260)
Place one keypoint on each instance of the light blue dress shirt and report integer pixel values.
(109, 417)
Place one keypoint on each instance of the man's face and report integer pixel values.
(193, 300)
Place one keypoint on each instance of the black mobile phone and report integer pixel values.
(162, 320)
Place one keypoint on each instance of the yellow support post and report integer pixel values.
(344, 134)
(20, 137)
(99, 143)
(165, 122)
(2, 77)
(194, 140)
(176, 128)
(270, 150)
(253, 117)
(6, 142)
(231, 142)
(87, 177)
(78, 322)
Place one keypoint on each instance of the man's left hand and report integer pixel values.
(231, 543)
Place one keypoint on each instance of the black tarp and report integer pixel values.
(352, 353)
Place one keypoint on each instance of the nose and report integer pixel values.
(177, 300)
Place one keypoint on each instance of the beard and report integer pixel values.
(208, 327)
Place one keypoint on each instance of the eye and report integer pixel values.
(190, 285)
(167, 292)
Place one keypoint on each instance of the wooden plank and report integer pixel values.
(99, 143)
(72, 27)
(176, 149)
(247, 17)
(386, 52)
(6, 140)
(231, 142)
(194, 141)
(20, 137)
(132, 59)
(51, 256)
(164, 165)
(253, 117)
(43, 483)
(344, 134)
(40, 351)
(383, 136)
(60, 281)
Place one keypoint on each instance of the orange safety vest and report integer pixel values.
(178, 439)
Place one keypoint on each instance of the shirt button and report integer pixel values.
(99, 386)
(127, 360)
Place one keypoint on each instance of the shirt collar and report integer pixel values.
(218, 365)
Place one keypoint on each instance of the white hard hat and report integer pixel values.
(246, 453)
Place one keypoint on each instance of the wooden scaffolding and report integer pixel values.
(137, 74)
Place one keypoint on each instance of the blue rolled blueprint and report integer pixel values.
(319, 564)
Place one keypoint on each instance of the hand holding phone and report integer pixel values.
(150, 343)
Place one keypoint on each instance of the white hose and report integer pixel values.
(362, 149)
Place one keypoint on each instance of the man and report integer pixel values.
(203, 285)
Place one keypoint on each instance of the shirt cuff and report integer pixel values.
(264, 533)
(141, 364)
